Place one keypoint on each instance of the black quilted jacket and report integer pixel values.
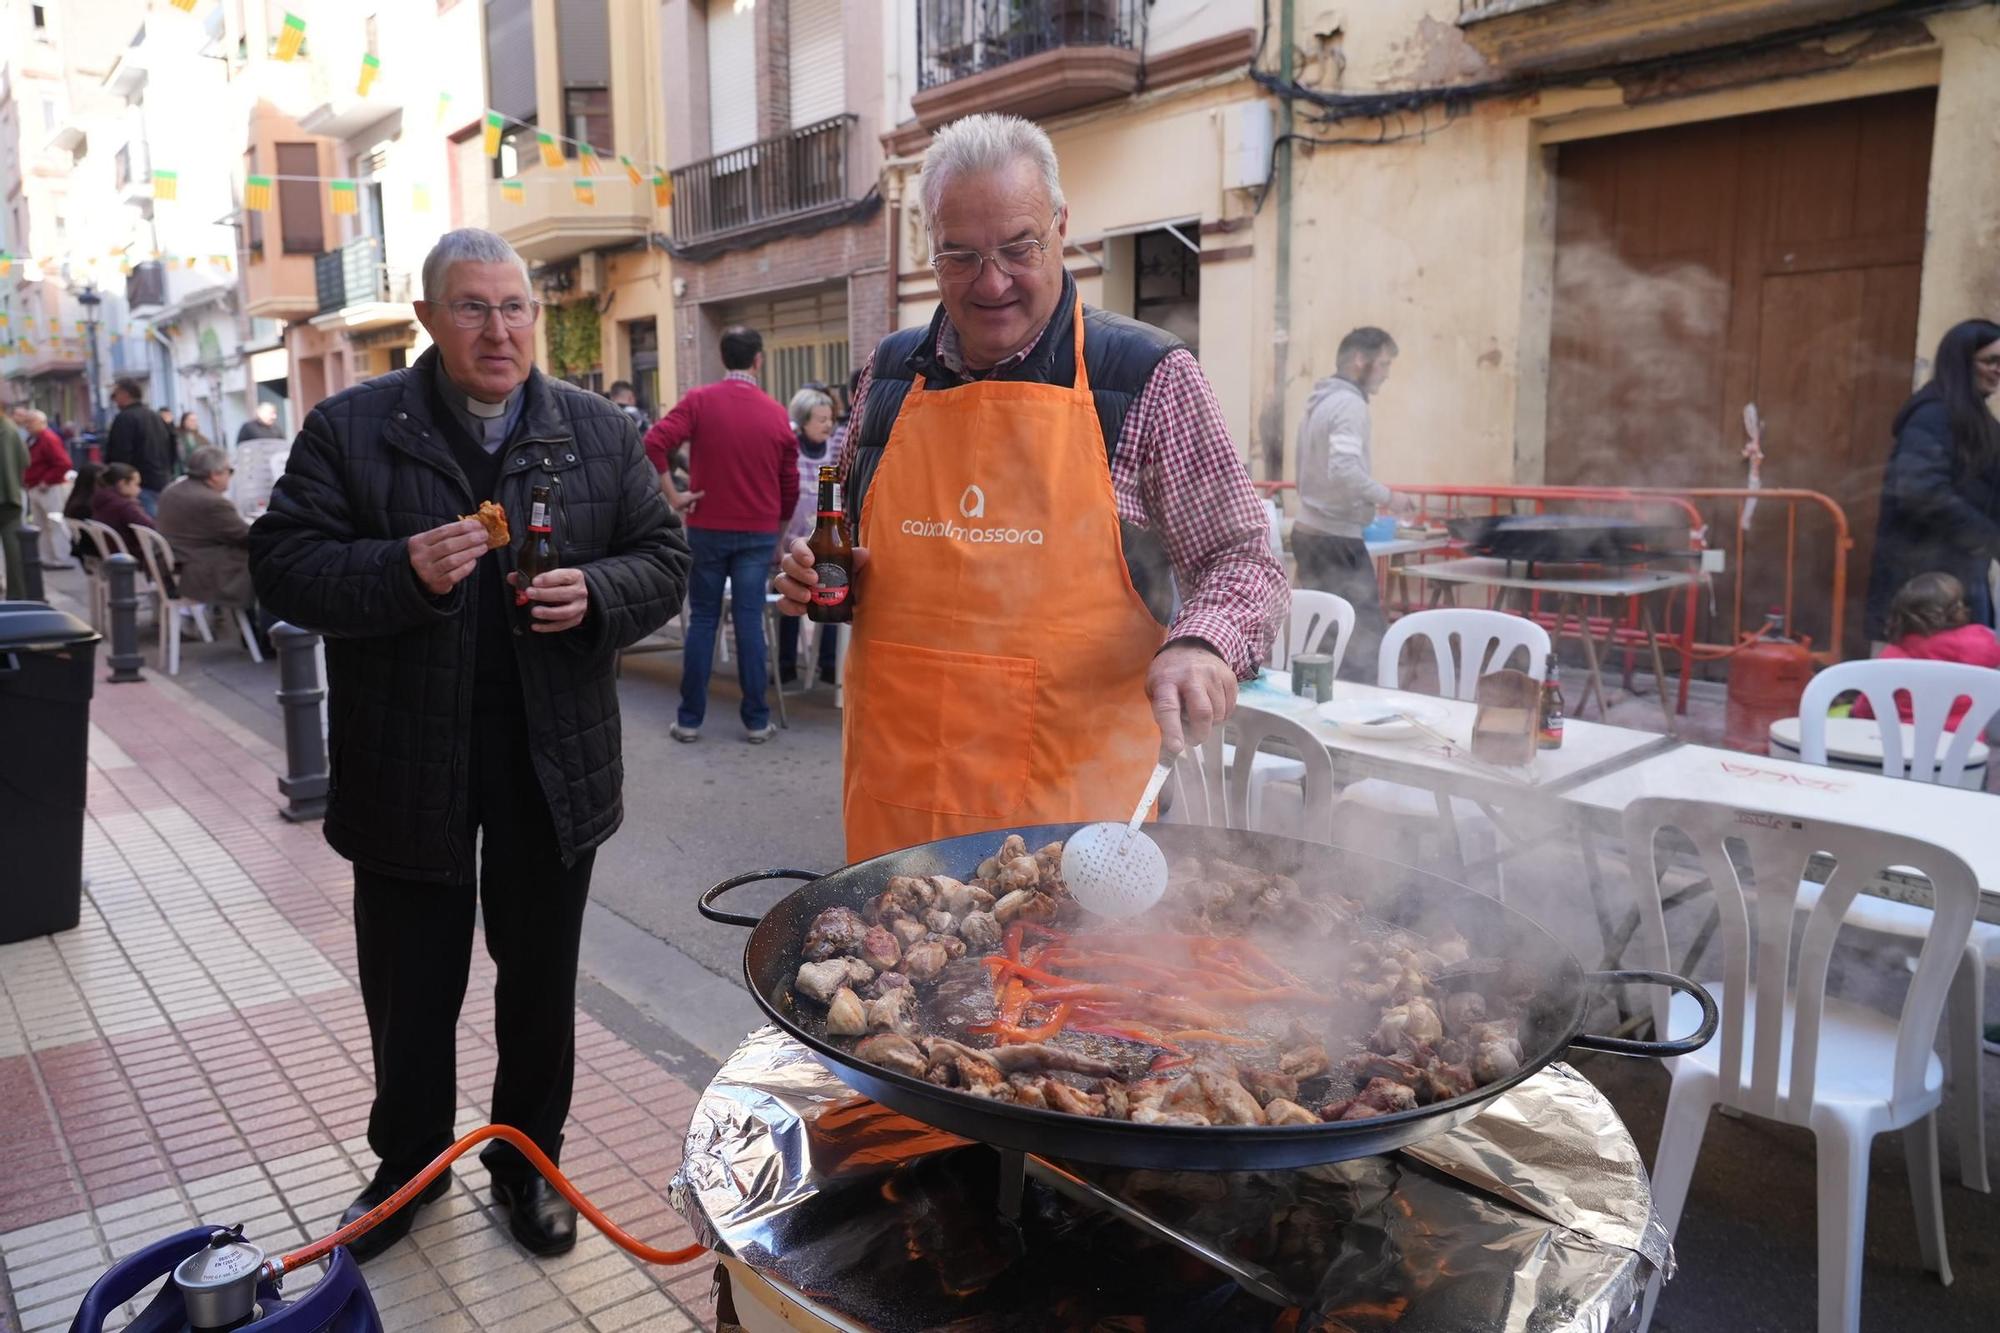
(370, 470)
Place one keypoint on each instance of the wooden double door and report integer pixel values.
(1770, 259)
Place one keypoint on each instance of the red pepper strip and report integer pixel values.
(1163, 1062)
(1223, 1038)
(1127, 1032)
(1164, 971)
(1251, 955)
(1006, 1034)
(1013, 1003)
(1013, 967)
(1011, 946)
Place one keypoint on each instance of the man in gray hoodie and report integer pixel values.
(1339, 496)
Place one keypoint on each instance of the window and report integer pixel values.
(48, 115)
(299, 222)
(583, 50)
(41, 17)
(510, 79)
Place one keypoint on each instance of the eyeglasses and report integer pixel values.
(959, 267)
(514, 314)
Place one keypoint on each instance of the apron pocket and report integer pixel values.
(946, 732)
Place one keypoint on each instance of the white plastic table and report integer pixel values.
(1570, 585)
(1856, 743)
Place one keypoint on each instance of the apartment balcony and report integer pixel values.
(1534, 35)
(146, 288)
(1027, 57)
(549, 225)
(357, 291)
(771, 185)
(278, 285)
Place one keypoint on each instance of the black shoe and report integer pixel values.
(397, 1224)
(541, 1219)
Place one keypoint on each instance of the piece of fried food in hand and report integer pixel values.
(494, 519)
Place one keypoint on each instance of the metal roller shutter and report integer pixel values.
(818, 76)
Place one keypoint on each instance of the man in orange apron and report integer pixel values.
(1023, 474)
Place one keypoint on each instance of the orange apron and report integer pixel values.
(997, 670)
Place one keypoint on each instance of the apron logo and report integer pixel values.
(973, 503)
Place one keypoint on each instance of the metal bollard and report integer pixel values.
(300, 691)
(121, 572)
(31, 566)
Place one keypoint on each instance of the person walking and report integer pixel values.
(1941, 492)
(140, 440)
(1338, 493)
(743, 484)
(263, 426)
(811, 411)
(1004, 669)
(476, 762)
(188, 438)
(13, 505)
(48, 482)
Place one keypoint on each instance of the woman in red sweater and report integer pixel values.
(1929, 619)
(47, 482)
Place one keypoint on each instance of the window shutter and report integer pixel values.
(732, 76)
(510, 58)
(299, 220)
(818, 76)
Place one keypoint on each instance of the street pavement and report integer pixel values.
(661, 981)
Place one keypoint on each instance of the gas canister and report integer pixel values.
(1767, 674)
(218, 1283)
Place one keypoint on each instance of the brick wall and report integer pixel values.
(774, 67)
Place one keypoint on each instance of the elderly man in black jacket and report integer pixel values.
(464, 702)
(140, 438)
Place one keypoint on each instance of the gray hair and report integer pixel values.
(36, 417)
(803, 403)
(467, 245)
(206, 461)
(986, 142)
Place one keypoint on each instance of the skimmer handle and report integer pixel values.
(1153, 785)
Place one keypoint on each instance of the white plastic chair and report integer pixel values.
(156, 553)
(1933, 687)
(1467, 642)
(1786, 1050)
(1313, 614)
(108, 543)
(1212, 784)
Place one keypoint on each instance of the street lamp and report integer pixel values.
(89, 299)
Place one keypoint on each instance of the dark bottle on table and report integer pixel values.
(538, 554)
(833, 555)
(1549, 724)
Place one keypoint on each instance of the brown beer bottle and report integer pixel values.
(833, 555)
(538, 551)
(1549, 726)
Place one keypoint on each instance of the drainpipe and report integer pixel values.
(1273, 416)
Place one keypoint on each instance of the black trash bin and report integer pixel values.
(47, 665)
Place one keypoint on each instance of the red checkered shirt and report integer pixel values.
(1177, 472)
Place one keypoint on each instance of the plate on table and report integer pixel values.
(1374, 719)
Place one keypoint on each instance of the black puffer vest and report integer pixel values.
(1120, 355)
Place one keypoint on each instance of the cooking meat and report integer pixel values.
(1496, 1051)
(1408, 1026)
(1268, 1087)
(1063, 1097)
(818, 981)
(883, 984)
(835, 931)
(953, 946)
(1050, 860)
(1011, 846)
(894, 1011)
(923, 960)
(1462, 1009)
(894, 1052)
(880, 950)
(1039, 1055)
(1441, 1082)
(1303, 1054)
(908, 930)
(1279, 1111)
(1233, 1104)
(1026, 905)
(1381, 1097)
(959, 1066)
(1027, 1091)
(980, 931)
(960, 899)
(1023, 872)
(1175, 1100)
(845, 1016)
(941, 922)
(913, 895)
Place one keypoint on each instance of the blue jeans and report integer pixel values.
(744, 559)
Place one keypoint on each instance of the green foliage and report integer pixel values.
(575, 346)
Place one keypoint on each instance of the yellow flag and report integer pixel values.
(494, 124)
(3, 319)
(511, 191)
(257, 193)
(663, 190)
(370, 67)
(27, 348)
(585, 191)
(223, 262)
(631, 172)
(552, 155)
(420, 198)
(346, 199)
(290, 38)
(166, 185)
(6, 265)
(190, 261)
(444, 107)
(586, 159)
(185, 6)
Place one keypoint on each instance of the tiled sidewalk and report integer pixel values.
(196, 1052)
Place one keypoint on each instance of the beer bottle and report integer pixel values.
(538, 551)
(1549, 727)
(832, 553)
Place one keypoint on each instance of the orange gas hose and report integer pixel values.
(319, 1249)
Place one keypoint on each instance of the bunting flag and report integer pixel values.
(370, 67)
(494, 124)
(663, 190)
(6, 265)
(3, 319)
(585, 192)
(420, 198)
(511, 191)
(166, 185)
(185, 6)
(586, 159)
(631, 172)
(257, 193)
(223, 262)
(82, 329)
(192, 260)
(290, 38)
(125, 268)
(346, 199)
(552, 156)
(444, 109)
(27, 348)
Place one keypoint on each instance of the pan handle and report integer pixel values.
(714, 913)
(1659, 1050)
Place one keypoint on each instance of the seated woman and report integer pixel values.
(1929, 619)
(114, 502)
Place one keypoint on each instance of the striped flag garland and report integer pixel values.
(586, 159)
(223, 262)
(290, 38)
(585, 192)
(494, 125)
(631, 172)
(663, 190)
(185, 6)
(346, 199)
(257, 193)
(552, 155)
(166, 184)
(371, 66)
(510, 190)
(6, 265)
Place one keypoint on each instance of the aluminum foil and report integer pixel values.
(1533, 1217)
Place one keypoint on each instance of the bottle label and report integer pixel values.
(833, 586)
(834, 507)
(538, 516)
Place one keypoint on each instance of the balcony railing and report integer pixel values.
(146, 284)
(764, 182)
(354, 274)
(959, 38)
